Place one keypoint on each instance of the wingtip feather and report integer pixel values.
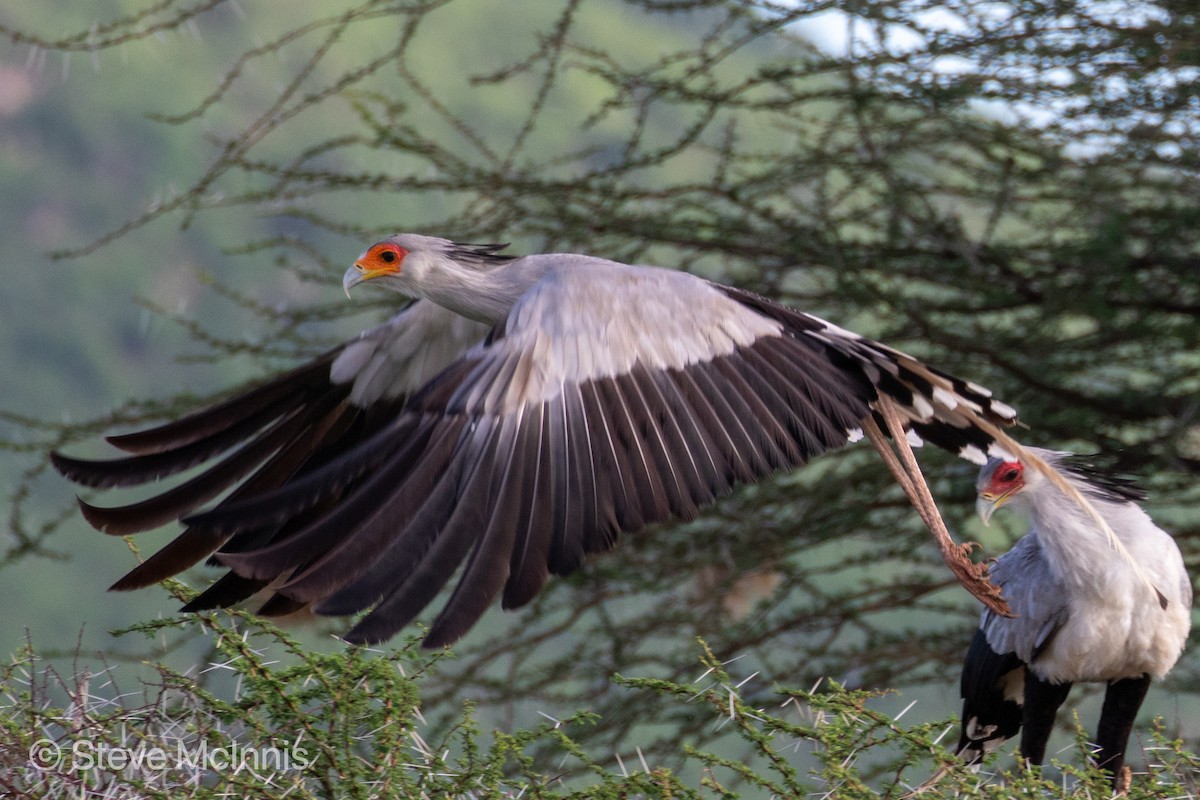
(247, 565)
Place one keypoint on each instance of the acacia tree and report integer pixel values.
(1007, 192)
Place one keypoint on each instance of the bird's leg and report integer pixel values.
(1040, 706)
(907, 473)
(1121, 704)
(1122, 781)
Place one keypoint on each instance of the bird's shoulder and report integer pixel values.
(586, 296)
(1022, 558)
(1036, 594)
(402, 354)
(585, 318)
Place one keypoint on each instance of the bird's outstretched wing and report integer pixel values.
(585, 413)
(263, 438)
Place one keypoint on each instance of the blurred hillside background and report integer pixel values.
(1009, 192)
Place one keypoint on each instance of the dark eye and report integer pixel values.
(1011, 475)
(387, 256)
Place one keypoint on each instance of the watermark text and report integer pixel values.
(86, 755)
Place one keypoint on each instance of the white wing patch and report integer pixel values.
(973, 454)
(581, 323)
(995, 450)
(947, 398)
(1003, 409)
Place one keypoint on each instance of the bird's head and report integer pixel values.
(382, 261)
(418, 266)
(999, 482)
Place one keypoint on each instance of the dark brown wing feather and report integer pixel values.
(211, 421)
(511, 498)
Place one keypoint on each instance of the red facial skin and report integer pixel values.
(1007, 478)
(382, 258)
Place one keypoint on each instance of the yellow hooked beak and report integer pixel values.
(360, 272)
(987, 503)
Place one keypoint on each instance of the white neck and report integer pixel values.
(482, 294)
(1076, 548)
(1075, 551)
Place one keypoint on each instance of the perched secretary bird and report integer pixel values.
(1083, 611)
(518, 415)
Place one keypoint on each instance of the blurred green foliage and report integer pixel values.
(349, 724)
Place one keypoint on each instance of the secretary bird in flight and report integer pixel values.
(520, 414)
(1082, 611)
